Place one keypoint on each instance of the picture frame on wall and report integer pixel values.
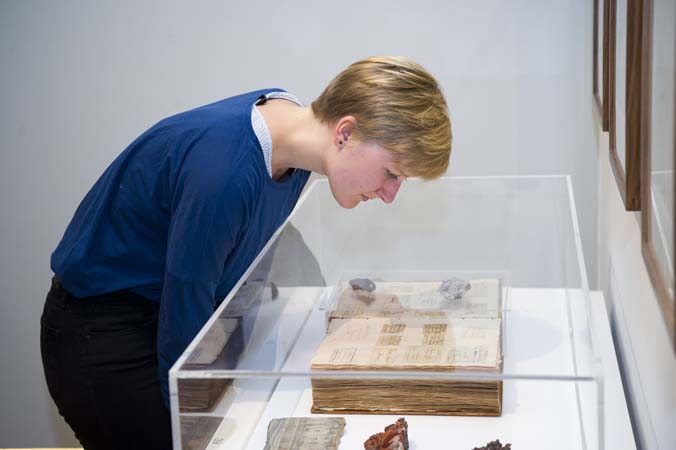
(601, 61)
(658, 137)
(625, 31)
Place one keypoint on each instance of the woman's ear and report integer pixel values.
(343, 130)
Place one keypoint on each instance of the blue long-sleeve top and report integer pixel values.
(177, 218)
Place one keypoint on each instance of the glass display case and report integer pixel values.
(487, 276)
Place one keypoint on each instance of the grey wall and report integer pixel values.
(644, 348)
(81, 79)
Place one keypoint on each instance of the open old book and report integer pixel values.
(412, 326)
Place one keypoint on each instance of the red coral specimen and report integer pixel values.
(395, 437)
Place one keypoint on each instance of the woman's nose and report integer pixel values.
(388, 192)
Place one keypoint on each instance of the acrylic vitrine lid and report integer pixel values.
(521, 231)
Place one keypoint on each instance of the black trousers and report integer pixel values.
(100, 360)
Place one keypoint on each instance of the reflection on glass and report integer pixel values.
(662, 140)
(620, 81)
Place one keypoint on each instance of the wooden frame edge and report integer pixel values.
(601, 44)
(628, 178)
(595, 62)
(605, 104)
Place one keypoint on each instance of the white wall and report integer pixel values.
(81, 79)
(641, 339)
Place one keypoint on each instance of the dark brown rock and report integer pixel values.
(494, 445)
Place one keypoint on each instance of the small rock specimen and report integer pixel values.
(454, 288)
(494, 445)
(395, 437)
(363, 284)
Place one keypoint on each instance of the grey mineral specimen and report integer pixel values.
(454, 288)
(363, 284)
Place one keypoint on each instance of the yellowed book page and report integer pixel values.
(307, 433)
(410, 343)
(418, 299)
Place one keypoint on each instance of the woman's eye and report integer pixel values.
(391, 175)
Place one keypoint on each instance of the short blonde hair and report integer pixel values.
(397, 104)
